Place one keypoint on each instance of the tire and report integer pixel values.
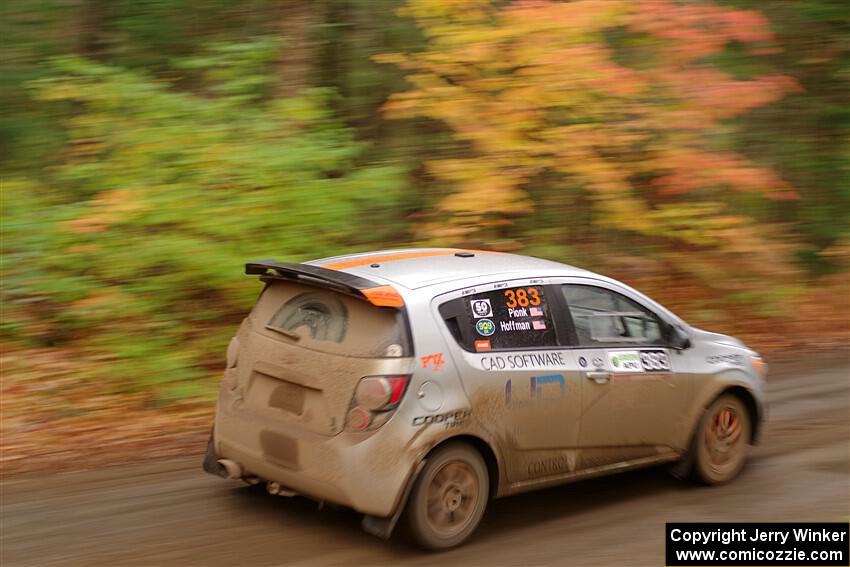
(456, 483)
(722, 440)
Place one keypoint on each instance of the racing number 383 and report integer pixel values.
(522, 297)
(654, 360)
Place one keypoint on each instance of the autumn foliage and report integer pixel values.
(693, 149)
(617, 101)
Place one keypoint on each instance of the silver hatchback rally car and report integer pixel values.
(418, 384)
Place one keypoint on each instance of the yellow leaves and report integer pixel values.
(483, 187)
(535, 90)
(448, 10)
(82, 249)
(102, 303)
(108, 208)
(576, 20)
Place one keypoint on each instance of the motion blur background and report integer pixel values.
(697, 150)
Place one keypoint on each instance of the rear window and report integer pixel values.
(327, 321)
(513, 318)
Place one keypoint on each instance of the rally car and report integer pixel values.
(418, 384)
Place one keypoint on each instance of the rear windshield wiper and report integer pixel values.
(288, 334)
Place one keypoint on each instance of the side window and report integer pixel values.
(504, 319)
(603, 318)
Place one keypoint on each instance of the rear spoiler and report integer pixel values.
(373, 292)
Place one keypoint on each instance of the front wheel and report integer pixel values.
(449, 497)
(722, 440)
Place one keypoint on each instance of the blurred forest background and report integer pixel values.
(697, 150)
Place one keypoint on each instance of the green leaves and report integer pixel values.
(166, 194)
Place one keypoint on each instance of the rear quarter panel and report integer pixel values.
(436, 407)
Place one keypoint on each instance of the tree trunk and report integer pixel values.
(87, 24)
(297, 66)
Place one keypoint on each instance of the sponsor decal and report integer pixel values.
(433, 361)
(530, 361)
(467, 291)
(508, 326)
(535, 312)
(597, 362)
(485, 327)
(582, 361)
(538, 325)
(482, 345)
(537, 390)
(481, 308)
(548, 467)
(449, 418)
(639, 361)
(733, 359)
(625, 361)
(654, 361)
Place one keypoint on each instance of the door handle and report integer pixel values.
(599, 377)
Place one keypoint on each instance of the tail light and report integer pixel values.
(375, 400)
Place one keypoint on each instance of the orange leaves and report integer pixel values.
(718, 96)
(613, 97)
(696, 31)
(689, 170)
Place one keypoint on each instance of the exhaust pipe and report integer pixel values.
(275, 489)
(232, 469)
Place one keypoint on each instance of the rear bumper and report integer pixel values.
(364, 471)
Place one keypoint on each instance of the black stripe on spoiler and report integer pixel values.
(298, 271)
(373, 292)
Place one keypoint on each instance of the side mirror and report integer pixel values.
(679, 339)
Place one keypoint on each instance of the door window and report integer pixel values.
(603, 317)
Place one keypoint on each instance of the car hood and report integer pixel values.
(702, 335)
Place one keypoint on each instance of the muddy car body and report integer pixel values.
(427, 381)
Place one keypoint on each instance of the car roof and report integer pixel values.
(420, 267)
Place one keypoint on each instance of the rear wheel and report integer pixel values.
(722, 440)
(449, 497)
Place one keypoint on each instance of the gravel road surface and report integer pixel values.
(170, 513)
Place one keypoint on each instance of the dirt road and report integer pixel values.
(170, 513)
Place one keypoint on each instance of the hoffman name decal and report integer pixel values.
(515, 325)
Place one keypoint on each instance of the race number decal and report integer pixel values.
(521, 297)
(654, 361)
